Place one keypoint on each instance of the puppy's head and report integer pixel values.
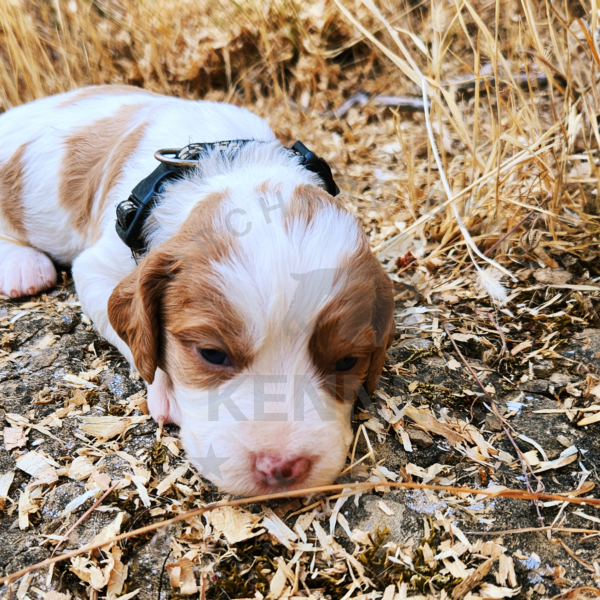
(267, 312)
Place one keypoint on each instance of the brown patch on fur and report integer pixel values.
(306, 200)
(104, 90)
(169, 306)
(114, 169)
(264, 188)
(93, 154)
(11, 192)
(359, 322)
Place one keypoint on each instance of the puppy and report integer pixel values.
(251, 303)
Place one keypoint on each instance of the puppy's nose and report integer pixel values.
(278, 472)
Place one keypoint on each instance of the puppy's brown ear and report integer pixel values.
(384, 326)
(134, 310)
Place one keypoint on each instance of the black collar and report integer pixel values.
(133, 213)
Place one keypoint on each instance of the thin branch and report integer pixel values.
(574, 556)
(351, 489)
(524, 463)
(85, 516)
(534, 529)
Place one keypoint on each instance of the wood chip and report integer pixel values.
(277, 528)
(33, 463)
(277, 584)
(520, 347)
(168, 481)
(105, 428)
(6, 480)
(589, 419)
(234, 524)
(472, 580)
(182, 576)
(81, 468)
(566, 457)
(14, 438)
(385, 508)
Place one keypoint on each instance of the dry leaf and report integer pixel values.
(424, 419)
(520, 347)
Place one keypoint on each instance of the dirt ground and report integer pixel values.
(47, 341)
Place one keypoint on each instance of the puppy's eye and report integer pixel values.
(215, 357)
(346, 363)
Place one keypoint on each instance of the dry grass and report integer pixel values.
(513, 87)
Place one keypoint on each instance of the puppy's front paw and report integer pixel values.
(24, 272)
(161, 404)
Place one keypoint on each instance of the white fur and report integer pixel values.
(261, 279)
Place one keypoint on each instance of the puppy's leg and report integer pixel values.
(96, 273)
(161, 405)
(24, 271)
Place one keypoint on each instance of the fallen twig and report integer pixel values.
(351, 489)
(85, 515)
(534, 529)
(583, 563)
(524, 463)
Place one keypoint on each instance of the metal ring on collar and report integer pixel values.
(169, 156)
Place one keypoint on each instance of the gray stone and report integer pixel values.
(543, 370)
(537, 386)
(419, 437)
(416, 343)
(492, 423)
(560, 379)
(415, 320)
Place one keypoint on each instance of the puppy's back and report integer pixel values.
(67, 160)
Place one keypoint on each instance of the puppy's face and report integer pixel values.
(266, 323)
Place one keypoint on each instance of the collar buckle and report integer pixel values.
(133, 213)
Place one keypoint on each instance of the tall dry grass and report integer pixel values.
(513, 88)
(173, 46)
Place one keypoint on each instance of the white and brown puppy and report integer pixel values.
(258, 310)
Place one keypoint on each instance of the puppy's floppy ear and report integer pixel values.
(384, 326)
(134, 310)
